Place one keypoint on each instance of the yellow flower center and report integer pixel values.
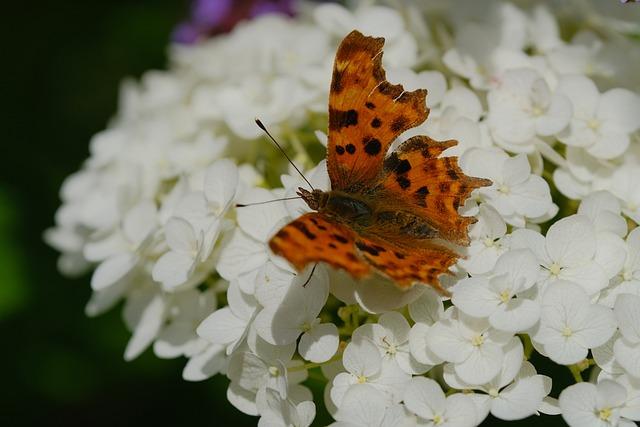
(605, 414)
(437, 420)
(504, 189)
(477, 340)
(567, 332)
(361, 379)
(537, 111)
(274, 371)
(505, 295)
(489, 242)
(493, 392)
(593, 124)
(554, 269)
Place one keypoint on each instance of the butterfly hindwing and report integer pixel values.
(433, 187)
(313, 237)
(406, 266)
(366, 113)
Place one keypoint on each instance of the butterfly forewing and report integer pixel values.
(366, 113)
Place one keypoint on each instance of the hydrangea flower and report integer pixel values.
(152, 213)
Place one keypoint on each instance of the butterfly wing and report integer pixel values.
(430, 186)
(313, 237)
(366, 113)
(406, 266)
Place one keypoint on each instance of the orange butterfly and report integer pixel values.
(386, 214)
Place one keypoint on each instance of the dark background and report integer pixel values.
(63, 63)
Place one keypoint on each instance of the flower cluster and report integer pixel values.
(553, 267)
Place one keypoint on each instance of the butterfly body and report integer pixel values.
(365, 215)
(395, 214)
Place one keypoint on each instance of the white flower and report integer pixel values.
(425, 311)
(229, 325)
(121, 251)
(487, 241)
(567, 253)
(515, 193)
(192, 233)
(276, 411)
(246, 252)
(606, 359)
(365, 406)
(498, 296)
(391, 336)
(471, 344)
(622, 185)
(144, 313)
(627, 347)
(522, 107)
(482, 51)
(425, 398)
(570, 325)
(628, 281)
(365, 365)
(603, 209)
(178, 336)
(597, 405)
(282, 323)
(601, 124)
(400, 46)
(263, 366)
(515, 393)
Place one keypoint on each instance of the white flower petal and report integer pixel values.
(424, 397)
(520, 399)
(571, 241)
(320, 343)
(113, 270)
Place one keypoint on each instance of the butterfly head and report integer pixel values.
(316, 199)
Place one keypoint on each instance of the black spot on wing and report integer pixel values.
(399, 123)
(302, 227)
(403, 166)
(370, 249)
(339, 238)
(282, 234)
(370, 105)
(403, 182)
(340, 149)
(420, 196)
(371, 146)
(390, 90)
(339, 119)
(391, 162)
(336, 81)
(399, 255)
(351, 148)
(376, 123)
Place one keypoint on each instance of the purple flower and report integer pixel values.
(210, 17)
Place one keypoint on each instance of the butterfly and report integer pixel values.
(393, 214)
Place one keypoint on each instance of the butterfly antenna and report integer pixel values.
(310, 275)
(244, 205)
(262, 126)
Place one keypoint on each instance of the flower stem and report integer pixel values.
(575, 371)
(528, 346)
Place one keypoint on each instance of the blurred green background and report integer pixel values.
(63, 63)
